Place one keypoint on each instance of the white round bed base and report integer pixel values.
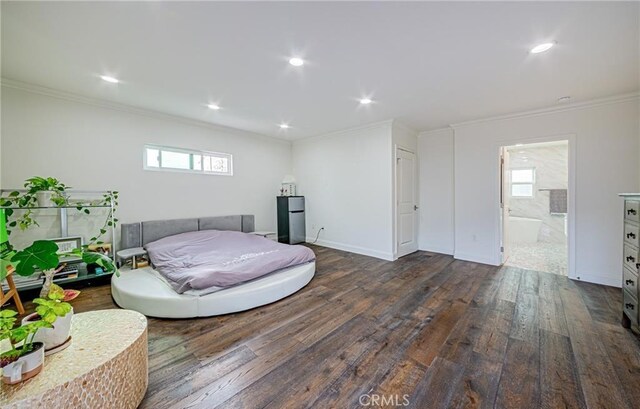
(144, 291)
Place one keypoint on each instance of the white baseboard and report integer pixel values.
(610, 281)
(437, 249)
(352, 249)
(475, 259)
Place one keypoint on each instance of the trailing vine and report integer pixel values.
(110, 221)
(27, 201)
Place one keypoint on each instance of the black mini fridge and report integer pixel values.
(291, 227)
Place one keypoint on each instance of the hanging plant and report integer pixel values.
(110, 221)
(50, 192)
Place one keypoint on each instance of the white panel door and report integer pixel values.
(407, 220)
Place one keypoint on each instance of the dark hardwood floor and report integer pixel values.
(370, 333)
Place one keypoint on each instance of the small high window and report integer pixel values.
(186, 160)
(522, 181)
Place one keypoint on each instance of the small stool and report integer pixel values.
(132, 253)
(12, 293)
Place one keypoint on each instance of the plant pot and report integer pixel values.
(27, 366)
(44, 198)
(52, 337)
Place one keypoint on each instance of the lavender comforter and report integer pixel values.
(206, 259)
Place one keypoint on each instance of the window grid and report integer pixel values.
(522, 182)
(164, 158)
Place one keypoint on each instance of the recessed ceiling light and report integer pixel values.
(296, 61)
(564, 99)
(284, 126)
(365, 101)
(519, 144)
(540, 48)
(110, 79)
(213, 106)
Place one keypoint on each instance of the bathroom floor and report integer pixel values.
(540, 256)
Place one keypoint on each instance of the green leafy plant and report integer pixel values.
(110, 197)
(44, 256)
(27, 201)
(22, 334)
(53, 306)
(48, 310)
(39, 184)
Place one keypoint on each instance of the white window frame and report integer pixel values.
(532, 183)
(200, 171)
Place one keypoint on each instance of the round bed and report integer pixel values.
(143, 290)
(146, 291)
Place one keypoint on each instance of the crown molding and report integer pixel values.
(398, 124)
(116, 106)
(438, 130)
(616, 99)
(379, 124)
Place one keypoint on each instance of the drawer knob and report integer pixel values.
(632, 212)
(631, 258)
(631, 235)
(629, 282)
(629, 306)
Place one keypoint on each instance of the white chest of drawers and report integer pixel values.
(631, 261)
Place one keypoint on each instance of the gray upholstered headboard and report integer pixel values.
(139, 234)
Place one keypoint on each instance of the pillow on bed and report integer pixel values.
(216, 259)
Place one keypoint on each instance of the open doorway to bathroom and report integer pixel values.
(534, 193)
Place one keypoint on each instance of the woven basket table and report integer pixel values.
(106, 366)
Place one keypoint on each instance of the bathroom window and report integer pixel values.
(522, 181)
(186, 160)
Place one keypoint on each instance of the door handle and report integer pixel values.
(415, 207)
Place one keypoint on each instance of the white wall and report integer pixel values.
(347, 180)
(606, 153)
(435, 152)
(0, 139)
(93, 147)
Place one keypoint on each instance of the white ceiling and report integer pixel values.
(428, 64)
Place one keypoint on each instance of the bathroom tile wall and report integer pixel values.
(551, 172)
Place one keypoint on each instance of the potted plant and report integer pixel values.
(54, 314)
(44, 255)
(51, 308)
(56, 311)
(48, 191)
(21, 358)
